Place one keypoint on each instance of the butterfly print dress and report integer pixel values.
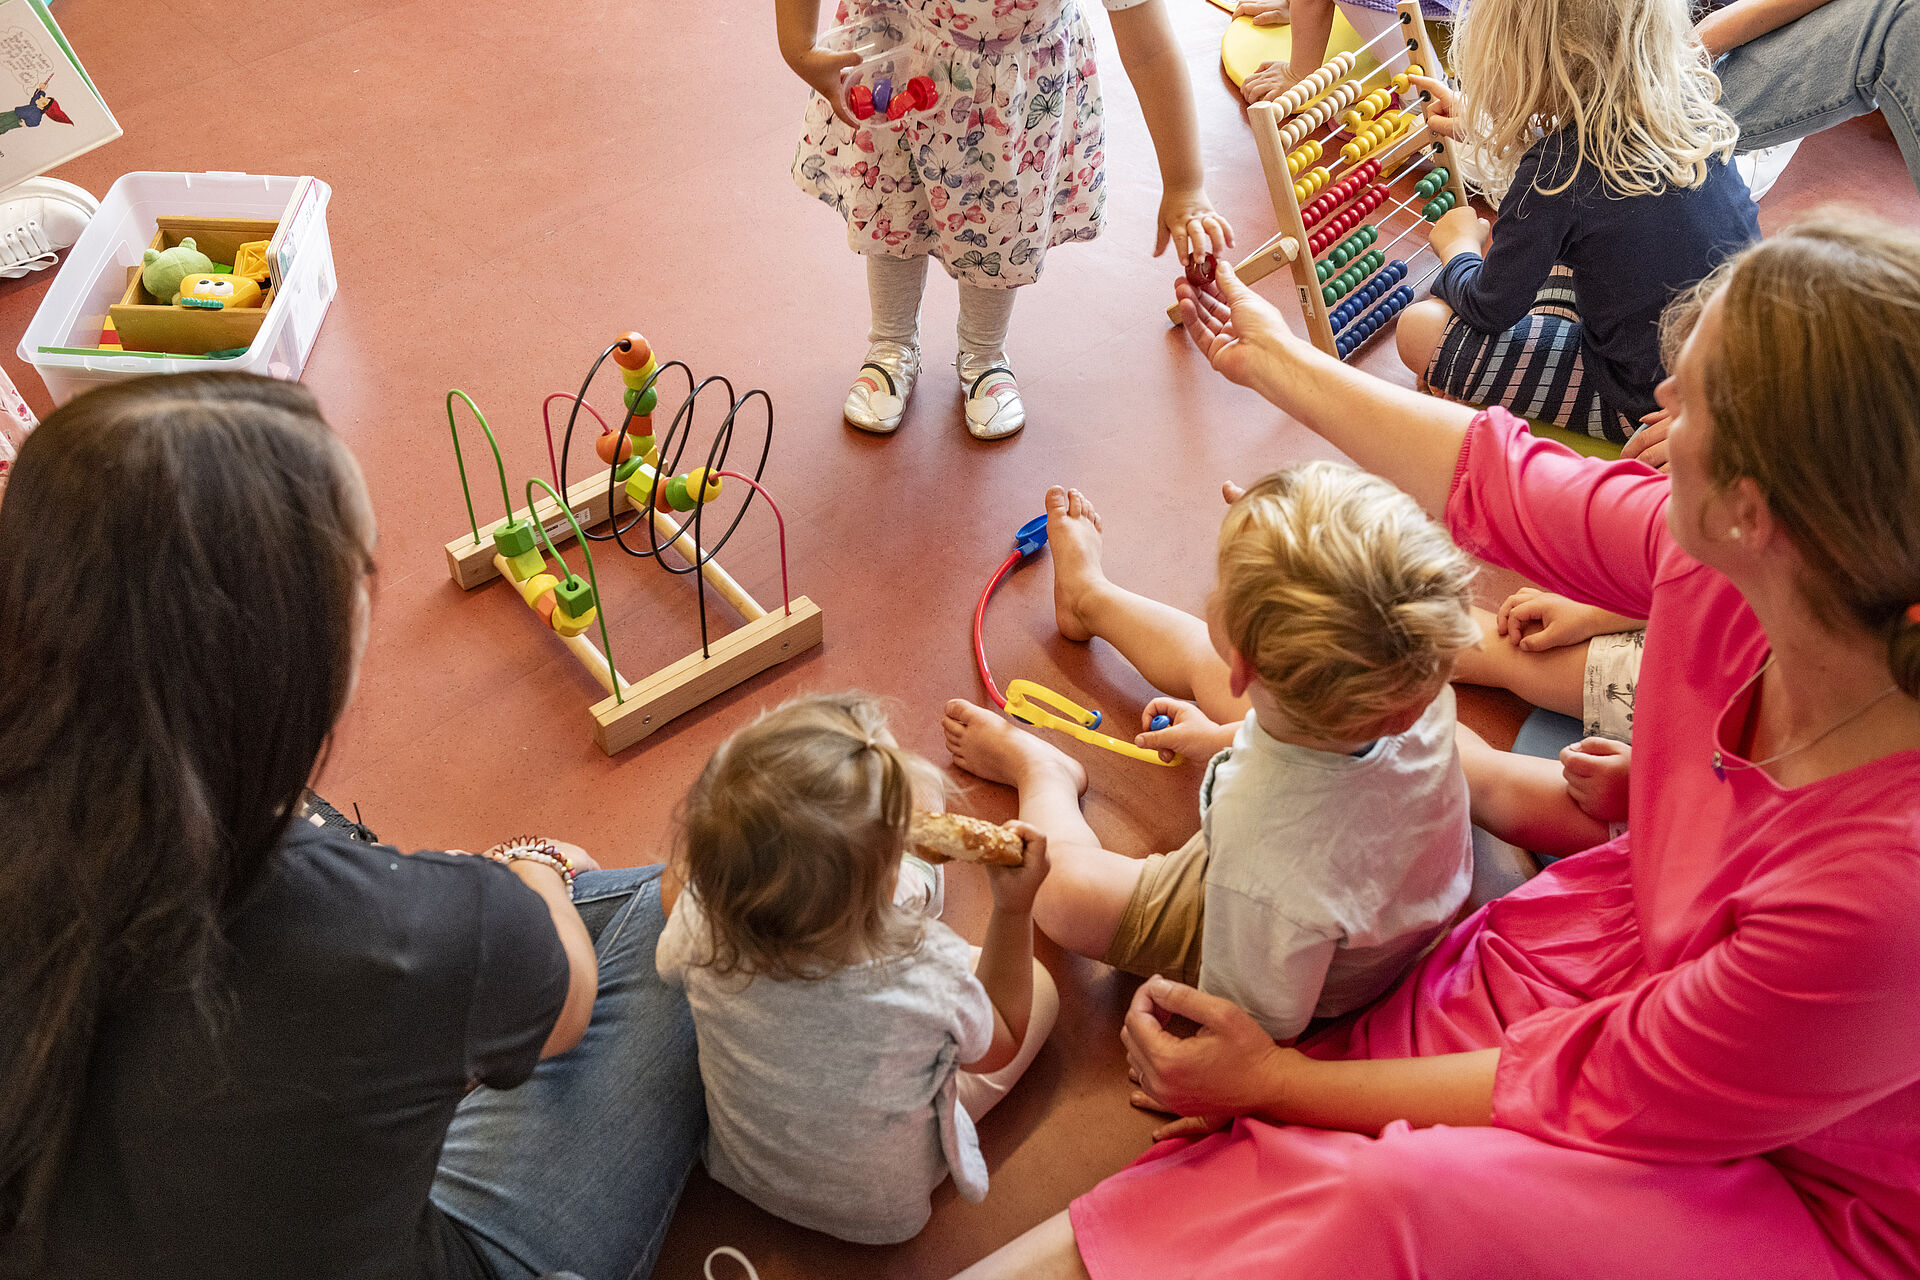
(1007, 163)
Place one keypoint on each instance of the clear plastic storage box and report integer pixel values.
(95, 275)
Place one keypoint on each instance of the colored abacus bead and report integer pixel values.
(630, 351)
(860, 102)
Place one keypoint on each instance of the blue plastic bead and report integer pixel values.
(882, 94)
(1158, 723)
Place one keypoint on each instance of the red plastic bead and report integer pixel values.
(899, 106)
(860, 101)
(921, 90)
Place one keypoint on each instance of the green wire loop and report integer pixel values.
(505, 498)
(600, 604)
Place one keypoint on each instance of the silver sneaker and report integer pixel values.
(879, 396)
(994, 408)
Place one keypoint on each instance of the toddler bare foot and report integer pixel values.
(1073, 531)
(990, 746)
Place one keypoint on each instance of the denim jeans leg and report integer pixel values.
(579, 1169)
(1843, 59)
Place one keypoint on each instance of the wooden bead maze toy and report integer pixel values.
(643, 482)
(1332, 151)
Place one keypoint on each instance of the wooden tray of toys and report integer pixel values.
(214, 273)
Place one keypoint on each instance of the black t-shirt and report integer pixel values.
(1630, 255)
(369, 989)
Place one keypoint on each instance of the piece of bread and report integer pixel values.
(954, 837)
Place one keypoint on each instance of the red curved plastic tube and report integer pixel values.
(979, 626)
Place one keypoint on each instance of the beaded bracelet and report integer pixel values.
(534, 849)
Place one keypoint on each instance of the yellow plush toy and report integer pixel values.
(211, 292)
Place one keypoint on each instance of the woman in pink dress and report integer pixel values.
(1694, 1051)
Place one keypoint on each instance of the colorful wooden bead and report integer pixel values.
(567, 626)
(640, 403)
(630, 351)
(702, 485)
(638, 377)
(531, 589)
(575, 595)
(613, 447)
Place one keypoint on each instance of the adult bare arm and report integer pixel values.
(1229, 1067)
(1410, 439)
(1745, 20)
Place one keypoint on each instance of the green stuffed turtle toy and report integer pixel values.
(163, 270)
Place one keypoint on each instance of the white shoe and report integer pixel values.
(879, 396)
(38, 218)
(994, 408)
(1763, 168)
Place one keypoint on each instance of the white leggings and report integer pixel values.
(980, 1094)
(894, 286)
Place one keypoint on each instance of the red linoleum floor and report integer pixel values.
(516, 184)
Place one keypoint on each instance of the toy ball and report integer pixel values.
(209, 292)
(630, 351)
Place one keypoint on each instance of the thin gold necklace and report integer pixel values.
(1722, 766)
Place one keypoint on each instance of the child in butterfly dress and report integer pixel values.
(1007, 164)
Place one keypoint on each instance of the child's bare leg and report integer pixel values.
(1088, 888)
(1524, 800)
(979, 1094)
(1417, 333)
(1552, 678)
(1170, 648)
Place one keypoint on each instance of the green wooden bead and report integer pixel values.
(641, 402)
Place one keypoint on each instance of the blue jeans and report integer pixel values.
(1842, 60)
(579, 1169)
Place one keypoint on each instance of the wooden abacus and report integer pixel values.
(1329, 229)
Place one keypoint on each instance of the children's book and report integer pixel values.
(303, 207)
(50, 111)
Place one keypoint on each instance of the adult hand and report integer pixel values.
(1191, 734)
(823, 70)
(1228, 1067)
(1459, 231)
(1442, 108)
(1242, 335)
(1597, 772)
(1014, 888)
(1190, 222)
(577, 858)
(1649, 443)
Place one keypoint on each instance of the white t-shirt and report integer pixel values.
(1328, 874)
(831, 1102)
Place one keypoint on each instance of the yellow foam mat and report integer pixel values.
(1245, 46)
(1578, 441)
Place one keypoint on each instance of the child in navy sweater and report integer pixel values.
(1596, 119)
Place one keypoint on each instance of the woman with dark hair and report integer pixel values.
(1690, 1051)
(234, 1044)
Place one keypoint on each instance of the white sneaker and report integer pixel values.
(879, 396)
(1763, 168)
(994, 408)
(38, 218)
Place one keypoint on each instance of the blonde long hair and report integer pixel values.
(1626, 77)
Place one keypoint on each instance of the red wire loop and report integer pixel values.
(546, 418)
(785, 597)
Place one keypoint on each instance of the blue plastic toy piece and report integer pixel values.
(1031, 536)
(1158, 723)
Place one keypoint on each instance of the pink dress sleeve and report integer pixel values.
(1802, 1015)
(1590, 530)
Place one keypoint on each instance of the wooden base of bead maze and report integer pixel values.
(1281, 127)
(634, 710)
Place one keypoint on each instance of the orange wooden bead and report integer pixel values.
(613, 447)
(635, 354)
(545, 605)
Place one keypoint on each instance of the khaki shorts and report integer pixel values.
(1160, 930)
